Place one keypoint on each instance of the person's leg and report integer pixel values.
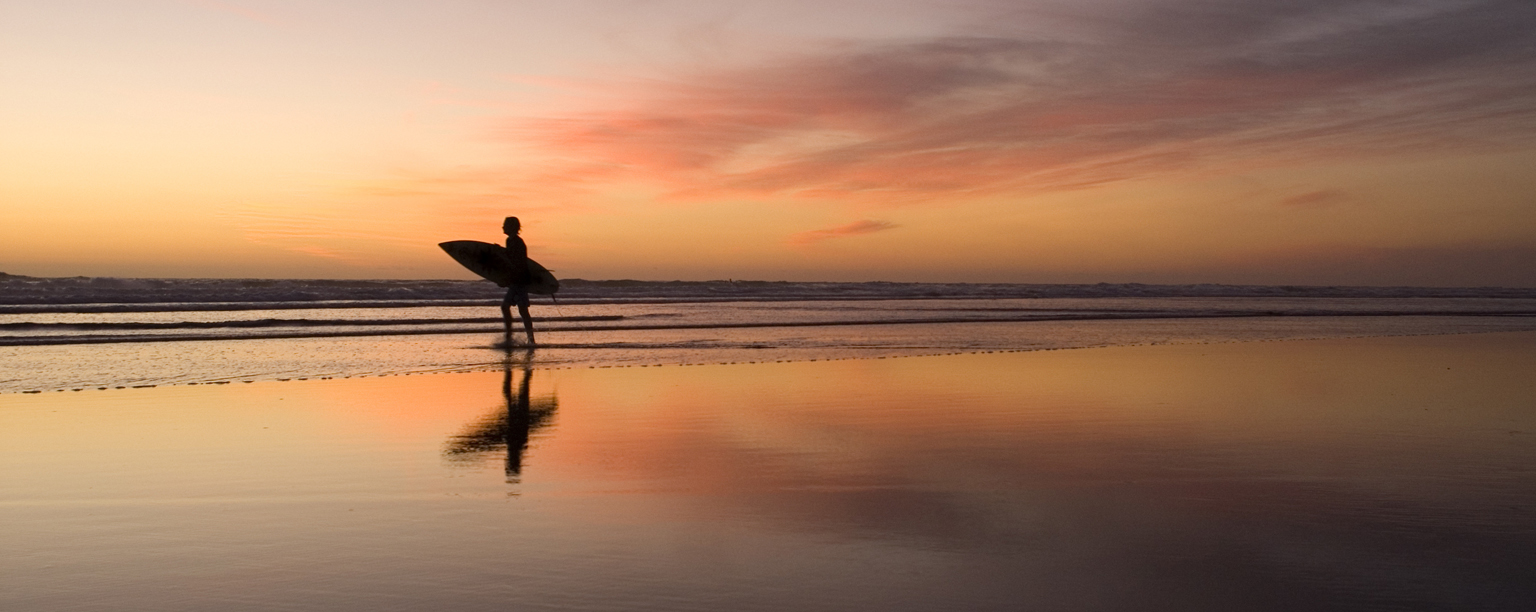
(506, 310)
(522, 311)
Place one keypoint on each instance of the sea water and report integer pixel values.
(824, 447)
(78, 334)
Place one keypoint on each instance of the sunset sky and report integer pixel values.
(1159, 141)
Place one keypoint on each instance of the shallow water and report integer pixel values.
(1371, 473)
(677, 334)
(85, 324)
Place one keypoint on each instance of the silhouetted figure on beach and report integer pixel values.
(517, 291)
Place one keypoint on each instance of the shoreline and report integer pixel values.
(508, 353)
(23, 341)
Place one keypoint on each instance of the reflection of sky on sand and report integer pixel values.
(1377, 469)
(1335, 474)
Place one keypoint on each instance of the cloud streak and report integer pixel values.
(1168, 87)
(857, 228)
(1325, 198)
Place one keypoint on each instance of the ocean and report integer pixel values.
(61, 334)
(765, 446)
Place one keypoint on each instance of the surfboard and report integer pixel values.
(491, 263)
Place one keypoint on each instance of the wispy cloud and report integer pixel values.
(1165, 87)
(1316, 199)
(324, 252)
(856, 228)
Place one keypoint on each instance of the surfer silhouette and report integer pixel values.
(517, 290)
(508, 267)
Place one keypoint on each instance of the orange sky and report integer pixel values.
(1105, 141)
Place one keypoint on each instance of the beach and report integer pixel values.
(1319, 474)
(917, 306)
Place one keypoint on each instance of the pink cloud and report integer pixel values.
(936, 119)
(856, 228)
(1326, 198)
(319, 251)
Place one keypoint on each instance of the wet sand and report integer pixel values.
(1377, 473)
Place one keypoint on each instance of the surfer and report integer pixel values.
(517, 290)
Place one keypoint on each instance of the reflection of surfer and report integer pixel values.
(517, 290)
(512, 426)
(518, 421)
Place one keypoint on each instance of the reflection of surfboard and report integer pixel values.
(490, 262)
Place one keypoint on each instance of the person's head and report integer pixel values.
(511, 226)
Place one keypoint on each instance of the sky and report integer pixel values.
(1337, 142)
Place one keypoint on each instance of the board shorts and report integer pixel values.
(516, 294)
